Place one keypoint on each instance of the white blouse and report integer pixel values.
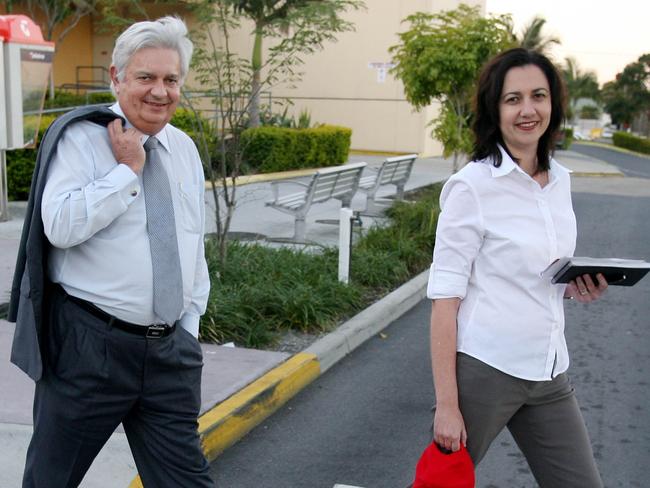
(497, 230)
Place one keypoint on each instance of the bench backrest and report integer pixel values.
(396, 170)
(340, 182)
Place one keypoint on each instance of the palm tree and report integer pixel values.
(580, 84)
(531, 36)
(263, 13)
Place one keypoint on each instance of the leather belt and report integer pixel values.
(154, 331)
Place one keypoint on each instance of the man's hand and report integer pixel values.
(449, 428)
(127, 145)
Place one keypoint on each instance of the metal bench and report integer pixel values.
(340, 182)
(393, 171)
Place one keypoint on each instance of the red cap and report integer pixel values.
(436, 469)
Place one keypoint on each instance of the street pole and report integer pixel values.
(4, 187)
(345, 244)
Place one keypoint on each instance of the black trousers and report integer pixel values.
(98, 377)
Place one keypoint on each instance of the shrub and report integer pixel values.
(271, 119)
(568, 138)
(271, 149)
(261, 291)
(631, 142)
(20, 166)
(589, 112)
(564, 138)
(68, 99)
(185, 120)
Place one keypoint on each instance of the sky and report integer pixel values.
(603, 36)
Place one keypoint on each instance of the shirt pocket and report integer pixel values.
(189, 203)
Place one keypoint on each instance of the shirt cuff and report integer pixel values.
(446, 284)
(190, 323)
(127, 181)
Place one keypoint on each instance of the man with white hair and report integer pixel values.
(125, 277)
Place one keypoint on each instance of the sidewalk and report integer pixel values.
(240, 387)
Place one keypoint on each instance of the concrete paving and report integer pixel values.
(235, 380)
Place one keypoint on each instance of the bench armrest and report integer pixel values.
(275, 186)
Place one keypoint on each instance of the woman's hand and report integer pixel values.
(584, 290)
(449, 428)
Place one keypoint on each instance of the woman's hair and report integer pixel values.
(167, 33)
(485, 126)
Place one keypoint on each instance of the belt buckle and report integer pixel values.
(155, 331)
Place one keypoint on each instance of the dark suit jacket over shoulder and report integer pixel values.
(30, 284)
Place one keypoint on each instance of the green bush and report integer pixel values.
(589, 112)
(68, 99)
(185, 120)
(20, 165)
(564, 138)
(260, 292)
(271, 149)
(631, 142)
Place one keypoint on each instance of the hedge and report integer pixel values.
(20, 162)
(272, 149)
(565, 138)
(20, 165)
(266, 149)
(65, 99)
(631, 142)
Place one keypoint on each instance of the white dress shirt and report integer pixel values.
(497, 230)
(94, 215)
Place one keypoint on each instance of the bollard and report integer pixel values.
(345, 244)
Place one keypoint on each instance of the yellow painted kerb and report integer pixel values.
(233, 418)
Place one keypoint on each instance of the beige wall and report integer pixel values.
(75, 50)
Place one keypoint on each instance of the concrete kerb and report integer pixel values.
(346, 338)
(232, 419)
(601, 174)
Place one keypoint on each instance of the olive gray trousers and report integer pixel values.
(542, 416)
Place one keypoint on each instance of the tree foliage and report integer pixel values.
(61, 14)
(579, 84)
(629, 95)
(439, 58)
(531, 36)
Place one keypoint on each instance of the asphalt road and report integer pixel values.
(366, 420)
(629, 164)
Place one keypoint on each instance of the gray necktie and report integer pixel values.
(161, 227)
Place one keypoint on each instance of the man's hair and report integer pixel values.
(167, 33)
(485, 126)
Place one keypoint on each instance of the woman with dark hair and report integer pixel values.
(497, 328)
